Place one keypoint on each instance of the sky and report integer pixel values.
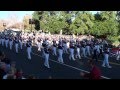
(20, 14)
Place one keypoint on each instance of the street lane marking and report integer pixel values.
(99, 60)
(109, 62)
(69, 66)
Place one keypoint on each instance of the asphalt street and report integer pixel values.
(70, 70)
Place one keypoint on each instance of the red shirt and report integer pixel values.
(18, 75)
(95, 73)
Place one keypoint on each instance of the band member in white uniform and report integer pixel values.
(106, 58)
(16, 44)
(98, 48)
(118, 54)
(29, 49)
(0, 39)
(68, 44)
(6, 41)
(43, 52)
(101, 50)
(78, 46)
(10, 43)
(21, 43)
(46, 63)
(54, 47)
(72, 47)
(95, 52)
(88, 49)
(3, 40)
(60, 53)
(39, 44)
(83, 50)
(25, 40)
(65, 46)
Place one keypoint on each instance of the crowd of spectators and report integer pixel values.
(8, 69)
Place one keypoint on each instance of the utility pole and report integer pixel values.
(4, 25)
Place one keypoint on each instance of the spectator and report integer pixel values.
(13, 67)
(50, 77)
(31, 77)
(9, 75)
(95, 72)
(2, 70)
(1, 55)
(5, 60)
(19, 74)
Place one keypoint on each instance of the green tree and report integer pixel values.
(84, 22)
(105, 23)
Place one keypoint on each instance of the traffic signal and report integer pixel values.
(31, 21)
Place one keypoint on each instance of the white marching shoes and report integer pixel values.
(118, 58)
(107, 66)
(103, 66)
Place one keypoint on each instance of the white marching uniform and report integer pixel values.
(65, 47)
(106, 58)
(83, 51)
(54, 48)
(118, 55)
(6, 42)
(10, 43)
(98, 48)
(0, 40)
(21, 43)
(43, 52)
(54, 51)
(78, 51)
(68, 45)
(46, 63)
(3, 40)
(25, 42)
(16, 46)
(101, 47)
(88, 50)
(39, 45)
(60, 53)
(29, 49)
(71, 52)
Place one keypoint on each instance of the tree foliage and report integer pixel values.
(79, 22)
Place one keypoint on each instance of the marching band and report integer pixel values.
(75, 47)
